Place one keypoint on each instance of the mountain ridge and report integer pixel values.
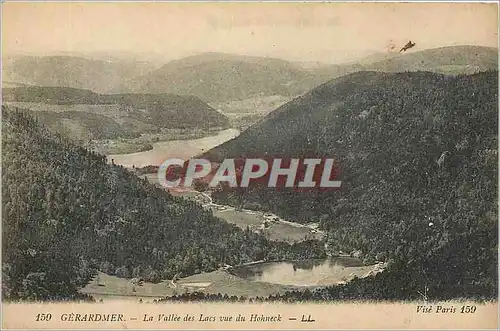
(220, 77)
(71, 71)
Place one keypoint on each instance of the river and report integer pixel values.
(183, 149)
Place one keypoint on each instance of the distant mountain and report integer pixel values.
(84, 114)
(50, 95)
(418, 158)
(71, 71)
(378, 57)
(219, 77)
(452, 60)
(447, 60)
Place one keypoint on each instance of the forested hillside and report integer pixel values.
(418, 160)
(66, 213)
(84, 126)
(163, 110)
(83, 115)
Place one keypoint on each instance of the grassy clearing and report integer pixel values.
(107, 287)
(224, 283)
(289, 233)
(239, 218)
(277, 231)
(119, 146)
(115, 288)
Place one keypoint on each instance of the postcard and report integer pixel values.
(249, 165)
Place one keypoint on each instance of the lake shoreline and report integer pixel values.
(333, 257)
(145, 143)
(180, 147)
(312, 273)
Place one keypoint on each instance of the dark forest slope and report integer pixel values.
(66, 212)
(418, 158)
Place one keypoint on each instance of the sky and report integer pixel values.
(325, 32)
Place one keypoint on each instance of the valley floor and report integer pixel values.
(270, 225)
(107, 287)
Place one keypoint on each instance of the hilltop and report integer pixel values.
(447, 60)
(103, 76)
(83, 115)
(220, 76)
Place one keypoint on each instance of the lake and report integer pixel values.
(321, 272)
(183, 149)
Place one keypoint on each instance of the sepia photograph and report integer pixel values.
(249, 165)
